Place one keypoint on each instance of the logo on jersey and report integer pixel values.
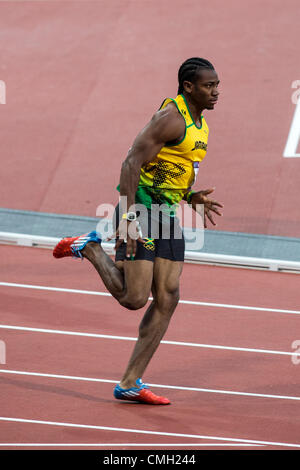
(200, 145)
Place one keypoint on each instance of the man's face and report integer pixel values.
(204, 91)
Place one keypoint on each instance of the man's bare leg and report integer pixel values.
(156, 319)
(128, 281)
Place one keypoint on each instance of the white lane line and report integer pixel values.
(153, 433)
(130, 338)
(188, 302)
(125, 444)
(172, 387)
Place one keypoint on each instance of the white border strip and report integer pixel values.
(22, 239)
(186, 302)
(172, 387)
(131, 338)
(152, 433)
(124, 444)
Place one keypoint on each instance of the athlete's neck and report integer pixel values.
(194, 109)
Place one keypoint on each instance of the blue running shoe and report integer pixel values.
(141, 394)
(72, 246)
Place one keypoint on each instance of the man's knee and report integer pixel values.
(167, 300)
(134, 302)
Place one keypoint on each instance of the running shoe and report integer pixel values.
(72, 246)
(141, 393)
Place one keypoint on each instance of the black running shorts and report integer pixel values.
(162, 233)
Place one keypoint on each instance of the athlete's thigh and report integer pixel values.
(166, 275)
(138, 277)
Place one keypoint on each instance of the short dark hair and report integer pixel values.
(189, 69)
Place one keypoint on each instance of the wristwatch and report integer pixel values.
(130, 216)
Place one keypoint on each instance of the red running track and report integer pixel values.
(236, 382)
(84, 77)
(230, 374)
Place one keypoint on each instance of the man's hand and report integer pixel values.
(210, 205)
(130, 233)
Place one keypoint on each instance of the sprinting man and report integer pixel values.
(160, 169)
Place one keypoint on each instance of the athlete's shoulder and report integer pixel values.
(169, 114)
(168, 122)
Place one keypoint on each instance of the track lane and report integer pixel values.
(199, 415)
(198, 282)
(107, 359)
(205, 413)
(190, 323)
